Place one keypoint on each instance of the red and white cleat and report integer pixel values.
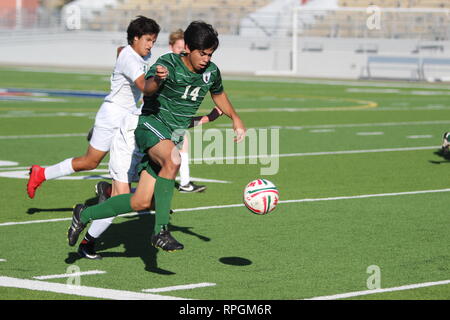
(37, 176)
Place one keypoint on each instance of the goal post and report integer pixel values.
(320, 30)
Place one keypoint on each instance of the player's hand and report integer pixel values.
(161, 73)
(239, 130)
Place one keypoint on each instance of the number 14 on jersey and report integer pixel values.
(194, 93)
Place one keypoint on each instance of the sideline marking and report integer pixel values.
(4, 163)
(23, 174)
(363, 196)
(38, 136)
(321, 153)
(423, 136)
(346, 125)
(377, 133)
(181, 287)
(374, 291)
(2, 260)
(84, 291)
(322, 126)
(26, 114)
(67, 275)
(321, 130)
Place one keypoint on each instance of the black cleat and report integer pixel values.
(165, 241)
(86, 249)
(77, 226)
(103, 191)
(445, 143)
(191, 187)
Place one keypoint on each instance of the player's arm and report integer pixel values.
(223, 103)
(213, 115)
(151, 85)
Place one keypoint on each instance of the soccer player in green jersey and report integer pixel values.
(176, 85)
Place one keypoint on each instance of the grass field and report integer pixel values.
(360, 185)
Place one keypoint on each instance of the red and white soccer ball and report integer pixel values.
(261, 196)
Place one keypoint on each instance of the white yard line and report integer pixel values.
(375, 133)
(374, 291)
(67, 275)
(2, 260)
(347, 125)
(357, 125)
(39, 136)
(84, 291)
(423, 136)
(33, 221)
(323, 126)
(181, 287)
(321, 130)
(306, 154)
(46, 115)
(8, 163)
(23, 174)
(341, 82)
(363, 196)
(44, 166)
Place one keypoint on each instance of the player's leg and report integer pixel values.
(186, 185)
(166, 155)
(112, 207)
(122, 168)
(184, 167)
(96, 151)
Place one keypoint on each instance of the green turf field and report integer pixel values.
(360, 185)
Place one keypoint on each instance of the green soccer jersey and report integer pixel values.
(180, 95)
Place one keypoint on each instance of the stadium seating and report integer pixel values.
(395, 25)
(172, 14)
(396, 3)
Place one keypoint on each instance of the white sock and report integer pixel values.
(64, 168)
(184, 169)
(99, 226)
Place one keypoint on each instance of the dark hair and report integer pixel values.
(200, 36)
(140, 26)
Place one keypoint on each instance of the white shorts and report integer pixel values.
(124, 155)
(107, 123)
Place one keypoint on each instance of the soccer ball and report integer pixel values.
(261, 196)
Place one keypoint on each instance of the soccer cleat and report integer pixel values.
(165, 241)
(36, 178)
(86, 249)
(445, 143)
(191, 187)
(103, 191)
(77, 226)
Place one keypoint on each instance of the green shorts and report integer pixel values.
(149, 132)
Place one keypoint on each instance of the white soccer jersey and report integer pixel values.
(123, 98)
(128, 68)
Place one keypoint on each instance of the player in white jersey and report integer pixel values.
(127, 84)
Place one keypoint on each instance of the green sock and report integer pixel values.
(110, 208)
(163, 199)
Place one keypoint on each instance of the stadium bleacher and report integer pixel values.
(396, 3)
(173, 14)
(348, 24)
